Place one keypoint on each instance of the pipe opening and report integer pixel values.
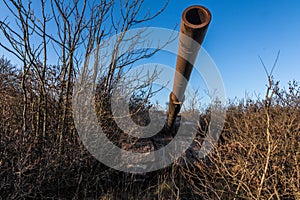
(196, 16)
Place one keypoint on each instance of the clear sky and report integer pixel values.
(240, 31)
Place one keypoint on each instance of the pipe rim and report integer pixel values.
(205, 17)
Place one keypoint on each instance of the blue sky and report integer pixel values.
(240, 31)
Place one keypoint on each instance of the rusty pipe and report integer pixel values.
(193, 27)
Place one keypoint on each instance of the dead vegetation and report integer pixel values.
(42, 157)
(257, 156)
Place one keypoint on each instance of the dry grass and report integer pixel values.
(257, 157)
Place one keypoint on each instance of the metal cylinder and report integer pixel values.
(193, 27)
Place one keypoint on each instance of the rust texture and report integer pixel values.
(194, 24)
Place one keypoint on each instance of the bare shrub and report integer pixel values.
(258, 154)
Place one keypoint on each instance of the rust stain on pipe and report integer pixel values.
(193, 27)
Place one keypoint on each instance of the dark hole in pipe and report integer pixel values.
(195, 16)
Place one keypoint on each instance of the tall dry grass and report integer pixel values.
(257, 156)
